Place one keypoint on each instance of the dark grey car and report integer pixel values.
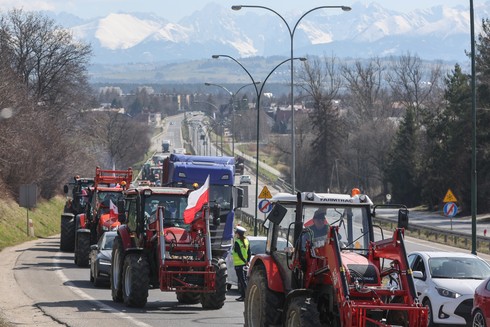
(100, 259)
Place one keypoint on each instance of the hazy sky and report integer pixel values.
(175, 10)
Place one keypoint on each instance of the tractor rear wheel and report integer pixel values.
(216, 300)
(67, 236)
(116, 270)
(302, 312)
(82, 250)
(188, 298)
(136, 280)
(261, 304)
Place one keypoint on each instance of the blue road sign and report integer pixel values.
(265, 206)
(450, 209)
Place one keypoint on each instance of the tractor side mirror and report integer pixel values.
(65, 189)
(277, 214)
(121, 211)
(216, 214)
(238, 198)
(403, 218)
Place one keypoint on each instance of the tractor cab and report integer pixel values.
(341, 270)
(310, 224)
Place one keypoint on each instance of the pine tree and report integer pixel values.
(402, 167)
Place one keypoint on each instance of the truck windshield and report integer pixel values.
(220, 194)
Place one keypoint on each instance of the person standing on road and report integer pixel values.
(241, 259)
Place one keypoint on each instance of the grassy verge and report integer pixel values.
(13, 220)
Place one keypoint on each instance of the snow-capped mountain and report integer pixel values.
(368, 30)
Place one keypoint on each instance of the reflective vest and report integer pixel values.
(237, 261)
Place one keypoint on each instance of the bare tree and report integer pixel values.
(371, 127)
(45, 86)
(321, 80)
(413, 83)
(119, 140)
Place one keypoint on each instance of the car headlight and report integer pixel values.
(104, 262)
(447, 293)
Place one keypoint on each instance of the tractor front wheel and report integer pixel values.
(302, 312)
(216, 300)
(136, 280)
(116, 270)
(82, 250)
(261, 303)
(67, 236)
(188, 298)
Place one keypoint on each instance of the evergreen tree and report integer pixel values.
(448, 159)
(482, 60)
(402, 166)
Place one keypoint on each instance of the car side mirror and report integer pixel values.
(418, 274)
(94, 247)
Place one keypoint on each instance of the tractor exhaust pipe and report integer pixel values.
(162, 236)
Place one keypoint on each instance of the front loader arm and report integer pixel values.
(394, 249)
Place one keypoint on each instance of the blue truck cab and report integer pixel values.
(180, 170)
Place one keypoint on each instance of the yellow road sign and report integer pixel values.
(449, 197)
(265, 194)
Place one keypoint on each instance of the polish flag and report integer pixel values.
(195, 201)
(113, 209)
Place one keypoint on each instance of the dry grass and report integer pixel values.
(13, 220)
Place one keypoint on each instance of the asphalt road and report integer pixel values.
(46, 288)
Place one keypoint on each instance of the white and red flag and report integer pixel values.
(113, 209)
(195, 201)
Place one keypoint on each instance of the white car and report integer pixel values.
(245, 179)
(445, 282)
(257, 246)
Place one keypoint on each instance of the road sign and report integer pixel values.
(265, 194)
(450, 209)
(265, 206)
(449, 197)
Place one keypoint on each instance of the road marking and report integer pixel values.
(85, 296)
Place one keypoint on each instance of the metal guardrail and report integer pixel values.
(439, 235)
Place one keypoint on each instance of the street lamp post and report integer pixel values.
(473, 134)
(291, 38)
(232, 95)
(258, 94)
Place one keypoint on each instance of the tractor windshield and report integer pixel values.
(173, 205)
(352, 222)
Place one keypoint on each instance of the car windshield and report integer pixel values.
(258, 246)
(108, 241)
(458, 267)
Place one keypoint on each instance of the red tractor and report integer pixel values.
(155, 248)
(341, 271)
(99, 218)
(76, 203)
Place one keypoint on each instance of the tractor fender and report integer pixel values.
(300, 292)
(303, 292)
(83, 231)
(274, 279)
(67, 215)
(123, 233)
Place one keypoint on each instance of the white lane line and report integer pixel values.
(85, 296)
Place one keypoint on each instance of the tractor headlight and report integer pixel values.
(447, 293)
